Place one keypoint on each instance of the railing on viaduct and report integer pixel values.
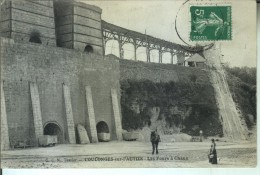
(125, 36)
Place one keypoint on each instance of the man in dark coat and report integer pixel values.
(155, 139)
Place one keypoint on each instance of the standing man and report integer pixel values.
(201, 135)
(155, 139)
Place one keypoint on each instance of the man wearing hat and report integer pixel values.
(155, 139)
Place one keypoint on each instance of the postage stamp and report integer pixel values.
(210, 23)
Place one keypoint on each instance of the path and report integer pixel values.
(131, 154)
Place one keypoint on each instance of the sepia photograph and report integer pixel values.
(128, 84)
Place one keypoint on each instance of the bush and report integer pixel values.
(199, 98)
(242, 84)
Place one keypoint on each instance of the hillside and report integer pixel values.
(242, 84)
(171, 107)
(177, 99)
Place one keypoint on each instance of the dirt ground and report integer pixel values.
(131, 154)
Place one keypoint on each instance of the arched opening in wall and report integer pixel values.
(52, 128)
(175, 59)
(112, 47)
(166, 58)
(35, 38)
(154, 56)
(141, 54)
(103, 132)
(129, 52)
(89, 49)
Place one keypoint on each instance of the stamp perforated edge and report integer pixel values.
(212, 4)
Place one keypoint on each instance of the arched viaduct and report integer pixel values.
(125, 36)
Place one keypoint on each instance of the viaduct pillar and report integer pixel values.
(135, 50)
(180, 59)
(172, 57)
(104, 46)
(160, 56)
(148, 53)
(120, 46)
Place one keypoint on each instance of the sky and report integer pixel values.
(157, 18)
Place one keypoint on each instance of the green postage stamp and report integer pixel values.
(210, 23)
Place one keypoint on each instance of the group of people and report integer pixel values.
(155, 139)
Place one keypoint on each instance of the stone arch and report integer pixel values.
(112, 47)
(166, 58)
(102, 127)
(129, 51)
(35, 38)
(53, 128)
(89, 49)
(103, 132)
(141, 54)
(154, 56)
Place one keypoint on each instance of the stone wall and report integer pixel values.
(183, 97)
(22, 19)
(79, 25)
(50, 68)
(162, 72)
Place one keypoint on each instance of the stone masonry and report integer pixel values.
(78, 26)
(35, 70)
(69, 114)
(117, 116)
(91, 123)
(5, 144)
(37, 115)
(52, 67)
(23, 19)
(54, 71)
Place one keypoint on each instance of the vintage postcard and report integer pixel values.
(128, 84)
